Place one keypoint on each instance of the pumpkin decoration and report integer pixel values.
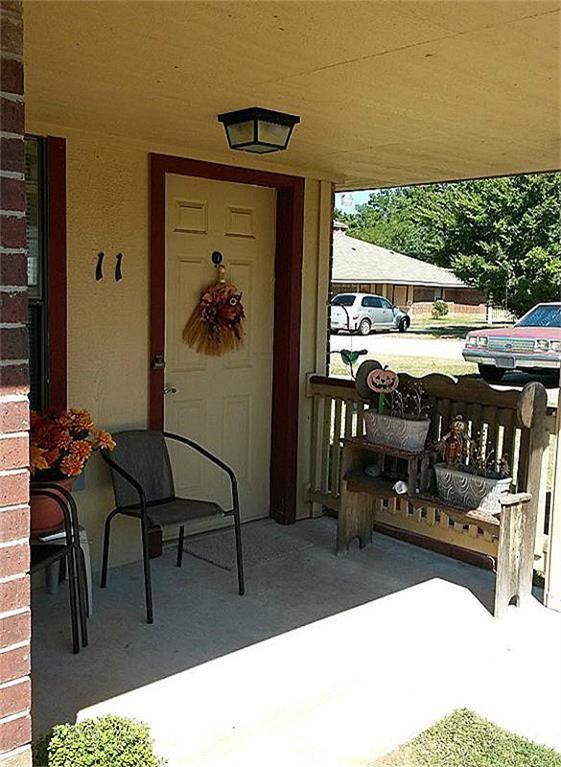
(382, 380)
(216, 324)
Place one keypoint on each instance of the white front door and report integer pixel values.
(224, 403)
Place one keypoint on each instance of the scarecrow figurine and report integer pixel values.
(216, 324)
(456, 446)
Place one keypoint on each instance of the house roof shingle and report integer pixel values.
(358, 261)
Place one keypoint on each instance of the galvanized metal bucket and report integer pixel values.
(390, 431)
(470, 490)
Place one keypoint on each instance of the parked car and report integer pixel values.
(532, 344)
(364, 312)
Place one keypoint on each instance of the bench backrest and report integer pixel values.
(512, 419)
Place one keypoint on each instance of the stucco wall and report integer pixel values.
(108, 321)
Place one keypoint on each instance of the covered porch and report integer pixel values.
(325, 661)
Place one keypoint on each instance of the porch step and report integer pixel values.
(335, 693)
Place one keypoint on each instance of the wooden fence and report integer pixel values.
(338, 411)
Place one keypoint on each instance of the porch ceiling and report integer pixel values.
(389, 92)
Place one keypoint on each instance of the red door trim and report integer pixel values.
(287, 310)
(57, 277)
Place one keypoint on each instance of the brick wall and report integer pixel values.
(15, 623)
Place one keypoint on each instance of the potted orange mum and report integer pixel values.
(60, 444)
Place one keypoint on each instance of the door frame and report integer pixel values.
(286, 318)
(57, 287)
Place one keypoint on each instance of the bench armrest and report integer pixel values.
(515, 499)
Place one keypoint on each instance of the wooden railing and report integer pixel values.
(338, 411)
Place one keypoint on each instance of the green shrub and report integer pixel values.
(110, 741)
(439, 309)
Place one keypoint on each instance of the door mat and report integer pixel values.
(261, 542)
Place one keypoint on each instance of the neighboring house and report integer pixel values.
(410, 283)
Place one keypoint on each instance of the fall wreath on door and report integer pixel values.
(216, 323)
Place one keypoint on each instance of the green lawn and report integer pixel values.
(466, 740)
(416, 366)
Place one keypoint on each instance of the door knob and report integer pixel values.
(170, 390)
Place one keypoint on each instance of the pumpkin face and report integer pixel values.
(382, 381)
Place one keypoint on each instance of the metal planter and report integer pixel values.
(395, 432)
(470, 490)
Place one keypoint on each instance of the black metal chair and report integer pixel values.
(143, 486)
(44, 554)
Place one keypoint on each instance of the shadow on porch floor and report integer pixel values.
(199, 619)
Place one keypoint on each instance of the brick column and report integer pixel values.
(15, 625)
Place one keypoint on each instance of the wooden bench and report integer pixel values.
(507, 416)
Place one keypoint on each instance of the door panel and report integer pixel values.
(377, 317)
(372, 305)
(386, 314)
(222, 402)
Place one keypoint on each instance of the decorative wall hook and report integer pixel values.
(99, 266)
(118, 268)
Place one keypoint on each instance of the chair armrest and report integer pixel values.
(67, 504)
(36, 487)
(212, 458)
(126, 476)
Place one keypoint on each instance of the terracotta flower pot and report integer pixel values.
(46, 514)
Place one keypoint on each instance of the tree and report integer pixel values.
(502, 236)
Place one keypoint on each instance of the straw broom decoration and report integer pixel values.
(216, 324)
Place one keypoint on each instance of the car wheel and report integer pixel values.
(403, 325)
(490, 373)
(364, 328)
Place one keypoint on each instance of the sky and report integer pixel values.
(347, 201)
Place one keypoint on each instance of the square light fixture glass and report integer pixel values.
(258, 130)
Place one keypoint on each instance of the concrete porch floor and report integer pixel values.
(325, 661)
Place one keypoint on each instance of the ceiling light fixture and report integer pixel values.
(258, 130)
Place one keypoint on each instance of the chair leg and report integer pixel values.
(180, 546)
(82, 594)
(72, 588)
(147, 574)
(239, 553)
(106, 540)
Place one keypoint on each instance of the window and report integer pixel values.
(35, 188)
(385, 304)
(542, 316)
(371, 302)
(343, 300)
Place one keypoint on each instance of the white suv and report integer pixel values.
(363, 312)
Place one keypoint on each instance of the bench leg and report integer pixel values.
(515, 560)
(356, 520)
